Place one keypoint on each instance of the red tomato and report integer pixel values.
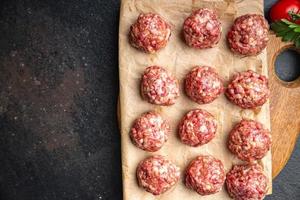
(281, 9)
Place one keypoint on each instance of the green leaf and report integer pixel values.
(284, 32)
(278, 26)
(294, 26)
(289, 31)
(297, 29)
(294, 16)
(297, 35)
(290, 36)
(287, 21)
(286, 36)
(297, 42)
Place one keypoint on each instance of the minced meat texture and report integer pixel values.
(246, 182)
(156, 174)
(248, 89)
(205, 175)
(150, 131)
(202, 29)
(149, 33)
(159, 87)
(249, 35)
(197, 128)
(249, 140)
(203, 84)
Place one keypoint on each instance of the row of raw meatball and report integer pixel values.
(205, 175)
(202, 29)
(248, 140)
(203, 85)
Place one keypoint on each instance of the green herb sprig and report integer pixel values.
(294, 16)
(289, 31)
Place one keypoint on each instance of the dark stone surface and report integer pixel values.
(58, 94)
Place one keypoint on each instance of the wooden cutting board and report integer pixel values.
(285, 109)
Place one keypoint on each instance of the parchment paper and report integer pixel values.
(178, 58)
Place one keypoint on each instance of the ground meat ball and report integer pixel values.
(197, 127)
(203, 84)
(248, 35)
(246, 182)
(150, 131)
(205, 175)
(159, 87)
(248, 89)
(149, 33)
(157, 174)
(249, 140)
(202, 29)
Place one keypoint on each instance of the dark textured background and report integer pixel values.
(58, 92)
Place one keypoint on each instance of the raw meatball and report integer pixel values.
(248, 89)
(157, 174)
(159, 87)
(249, 35)
(202, 29)
(197, 127)
(150, 131)
(149, 33)
(249, 140)
(205, 175)
(246, 182)
(203, 84)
